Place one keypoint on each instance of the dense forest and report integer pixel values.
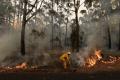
(39, 28)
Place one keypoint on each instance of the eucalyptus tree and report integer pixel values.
(68, 6)
(55, 9)
(102, 10)
(115, 4)
(28, 13)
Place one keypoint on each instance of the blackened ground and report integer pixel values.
(60, 76)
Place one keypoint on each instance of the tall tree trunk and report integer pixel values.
(66, 33)
(109, 38)
(52, 28)
(23, 28)
(60, 36)
(119, 36)
(9, 19)
(109, 35)
(21, 7)
(36, 14)
(14, 14)
(75, 32)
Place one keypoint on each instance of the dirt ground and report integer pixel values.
(60, 76)
(98, 72)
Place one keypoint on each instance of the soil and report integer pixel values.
(37, 75)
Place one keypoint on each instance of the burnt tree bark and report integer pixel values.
(75, 32)
(25, 19)
(109, 37)
(108, 34)
(119, 36)
(66, 31)
(52, 17)
(23, 28)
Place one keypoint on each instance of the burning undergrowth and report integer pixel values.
(30, 60)
(93, 62)
(88, 60)
(38, 53)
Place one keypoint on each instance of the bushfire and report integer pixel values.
(90, 61)
(22, 66)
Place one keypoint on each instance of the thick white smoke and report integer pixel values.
(37, 45)
(9, 44)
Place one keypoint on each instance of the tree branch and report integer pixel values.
(33, 6)
(41, 3)
(81, 5)
(33, 14)
(74, 4)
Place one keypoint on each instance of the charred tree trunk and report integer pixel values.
(109, 37)
(60, 36)
(75, 31)
(119, 37)
(23, 28)
(66, 33)
(108, 34)
(52, 27)
(25, 19)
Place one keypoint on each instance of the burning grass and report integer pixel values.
(94, 62)
(91, 60)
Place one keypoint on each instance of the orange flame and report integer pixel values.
(22, 66)
(92, 59)
(111, 60)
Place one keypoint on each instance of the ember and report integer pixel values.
(22, 66)
(111, 60)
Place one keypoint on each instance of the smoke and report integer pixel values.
(38, 41)
(96, 37)
(37, 46)
(9, 43)
(92, 40)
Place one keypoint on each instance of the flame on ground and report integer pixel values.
(92, 59)
(111, 60)
(22, 66)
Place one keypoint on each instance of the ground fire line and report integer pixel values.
(91, 62)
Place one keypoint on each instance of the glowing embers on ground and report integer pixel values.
(19, 67)
(22, 66)
(111, 60)
(91, 60)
